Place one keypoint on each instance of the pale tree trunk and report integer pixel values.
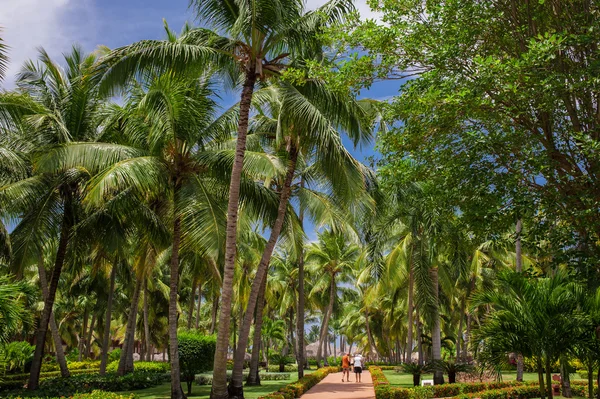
(459, 335)
(88, 346)
(236, 388)
(191, 305)
(519, 269)
(253, 374)
(124, 362)
(149, 351)
(81, 343)
(106, 337)
(419, 337)
(219, 382)
(215, 309)
(436, 339)
(370, 335)
(176, 390)
(58, 348)
(411, 293)
(326, 316)
(40, 337)
(300, 358)
(565, 377)
(199, 305)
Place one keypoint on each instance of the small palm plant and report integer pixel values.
(416, 370)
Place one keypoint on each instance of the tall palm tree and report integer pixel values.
(53, 106)
(303, 123)
(331, 261)
(251, 41)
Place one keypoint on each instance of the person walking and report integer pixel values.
(346, 367)
(358, 366)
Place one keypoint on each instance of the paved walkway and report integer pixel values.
(332, 387)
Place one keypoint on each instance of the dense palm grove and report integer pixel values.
(141, 218)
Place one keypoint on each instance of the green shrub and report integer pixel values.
(425, 392)
(298, 388)
(583, 374)
(85, 383)
(196, 355)
(91, 395)
(114, 355)
(288, 368)
(17, 356)
(85, 365)
(148, 367)
(206, 379)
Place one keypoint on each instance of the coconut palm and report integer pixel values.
(331, 261)
(540, 317)
(15, 300)
(303, 123)
(53, 106)
(251, 41)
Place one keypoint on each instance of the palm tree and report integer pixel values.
(302, 122)
(3, 58)
(53, 107)
(257, 38)
(540, 317)
(15, 301)
(331, 261)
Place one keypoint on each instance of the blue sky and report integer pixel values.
(56, 25)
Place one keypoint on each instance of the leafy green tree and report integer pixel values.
(196, 353)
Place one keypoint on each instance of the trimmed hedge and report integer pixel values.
(206, 379)
(91, 395)
(288, 368)
(298, 388)
(22, 378)
(580, 388)
(504, 389)
(86, 383)
(146, 367)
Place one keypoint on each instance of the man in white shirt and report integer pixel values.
(358, 366)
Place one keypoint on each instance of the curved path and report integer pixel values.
(332, 387)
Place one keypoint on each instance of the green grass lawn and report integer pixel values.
(405, 380)
(163, 391)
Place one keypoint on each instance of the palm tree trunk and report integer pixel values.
(436, 338)
(81, 343)
(88, 345)
(467, 338)
(519, 269)
(106, 337)
(215, 309)
(253, 374)
(459, 334)
(127, 351)
(176, 390)
(236, 388)
(219, 382)
(199, 305)
(419, 338)
(565, 377)
(541, 378)
(411, 293)
(149, 354)
(58, 348)
(549, 378)
(326, 316)
(300, 359)
(191, 305)
(40, 337)
(370, 335)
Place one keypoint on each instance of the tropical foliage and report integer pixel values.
(147, 233)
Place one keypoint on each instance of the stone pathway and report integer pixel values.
(332, 387)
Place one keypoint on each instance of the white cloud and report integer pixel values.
(361, 5)
(52, 24)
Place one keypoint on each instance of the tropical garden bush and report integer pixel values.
(196, 355)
